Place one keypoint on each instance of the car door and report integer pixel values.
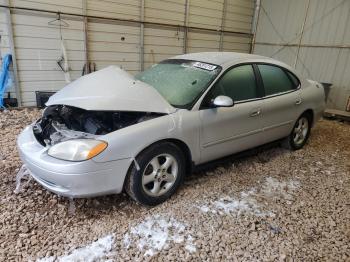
(281, 99)
(226, 130)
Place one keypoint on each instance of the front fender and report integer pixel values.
(130, 141)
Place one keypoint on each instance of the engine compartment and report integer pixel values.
(60, 123)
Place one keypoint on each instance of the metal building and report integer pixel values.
(131, 33)
(311, 35)
(314, 37)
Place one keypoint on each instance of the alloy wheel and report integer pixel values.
(300, 131)
(160, 175)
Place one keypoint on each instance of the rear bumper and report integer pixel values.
(71, 179)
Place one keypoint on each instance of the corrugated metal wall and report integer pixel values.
(4, 40)
(111, 41)
(38, 48)
(324, 52)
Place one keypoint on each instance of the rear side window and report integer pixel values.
(275, 80)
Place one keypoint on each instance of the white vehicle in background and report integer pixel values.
(109, 131)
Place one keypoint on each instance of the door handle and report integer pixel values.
(255, 112)
(298, 102)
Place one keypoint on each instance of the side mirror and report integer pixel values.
(223, 101)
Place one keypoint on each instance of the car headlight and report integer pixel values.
(77, 149)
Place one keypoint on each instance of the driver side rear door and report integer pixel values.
(227, 130)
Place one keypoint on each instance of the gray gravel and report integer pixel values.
(274, 205)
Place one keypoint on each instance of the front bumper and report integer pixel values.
(71, 179)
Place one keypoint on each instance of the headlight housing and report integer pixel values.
(77, 149)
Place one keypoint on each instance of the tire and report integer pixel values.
(300, 133)
(158, 173)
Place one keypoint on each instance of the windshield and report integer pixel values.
(180, 81)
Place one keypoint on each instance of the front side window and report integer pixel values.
(275, 80)
(237, 83)
(180, 81)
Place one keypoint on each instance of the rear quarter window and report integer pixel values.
(275, 80)
(294, 79)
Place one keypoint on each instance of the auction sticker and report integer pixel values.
(204, 66)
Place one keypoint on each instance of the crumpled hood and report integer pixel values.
(111, 89)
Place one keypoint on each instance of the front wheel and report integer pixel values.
(300, 133)
(161, 171)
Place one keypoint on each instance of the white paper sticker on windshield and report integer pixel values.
(204, 66)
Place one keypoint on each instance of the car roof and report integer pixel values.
(221, 58)
(226, 59)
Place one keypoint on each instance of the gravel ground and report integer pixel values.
(273, 205)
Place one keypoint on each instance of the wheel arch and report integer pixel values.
(310, 113)
(182, 146)
(187, 152)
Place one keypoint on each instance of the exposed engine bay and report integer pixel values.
(60, 123)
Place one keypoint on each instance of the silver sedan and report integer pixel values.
(110, 131)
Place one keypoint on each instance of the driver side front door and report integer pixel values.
(227, 130)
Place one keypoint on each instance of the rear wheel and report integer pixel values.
(161, 171)
(300, 133)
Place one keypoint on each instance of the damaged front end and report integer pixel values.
(61, 123)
